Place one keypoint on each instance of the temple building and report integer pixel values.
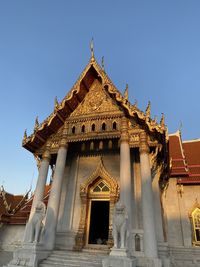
(123, 192)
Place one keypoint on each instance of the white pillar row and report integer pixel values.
(54, 198)
(41, 182)
(150, 242)
(125, 168)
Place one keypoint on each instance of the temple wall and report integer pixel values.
(178, 203)
(11, 236)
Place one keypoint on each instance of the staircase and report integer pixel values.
(60, 258)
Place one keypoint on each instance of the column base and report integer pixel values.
(119, 252)
(29, 255)
(119, 261)
(149, 262)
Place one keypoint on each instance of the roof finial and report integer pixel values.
(126, 92)
(56, 104)
(148, 109)
(162, 121)
(102, 63)
(25, 134)
(36, 124)
(92, 48)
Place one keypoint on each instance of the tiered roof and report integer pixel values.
(20, 207)
(184, 159)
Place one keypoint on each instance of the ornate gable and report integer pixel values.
(97, 101)
(93, 94)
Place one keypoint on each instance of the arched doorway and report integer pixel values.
(98, 213)
(98, 196)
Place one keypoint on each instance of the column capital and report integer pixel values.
(124, 130)
(63, 143)
(144, 147)
(46, 155)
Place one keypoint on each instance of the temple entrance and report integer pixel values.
(99, 222)
(98, 195)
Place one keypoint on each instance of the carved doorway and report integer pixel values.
(98, 222)
(98, 195)
(98, 213)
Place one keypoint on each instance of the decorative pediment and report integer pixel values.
(101, 172)
(92, 94)
(96, 101)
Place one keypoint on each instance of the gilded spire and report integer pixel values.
(36, 124)
(102, 63)
(56, 104)
(126, 92)
(92, 48)
(148, 110)
(162, 121)
(25, 134)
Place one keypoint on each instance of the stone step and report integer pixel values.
(73, 259)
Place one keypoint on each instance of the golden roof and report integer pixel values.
(62, 111)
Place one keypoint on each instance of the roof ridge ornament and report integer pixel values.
(148, 110)
(92, 49)
(25, 134)
(126, 92)
(56, 104)
(36, 124)
(162, 121)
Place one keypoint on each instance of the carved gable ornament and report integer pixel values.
(101, 172)
(96, 101)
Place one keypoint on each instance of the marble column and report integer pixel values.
(150, 242)
(125, 168)
(40, 187)
(41, 182)
(54, 198)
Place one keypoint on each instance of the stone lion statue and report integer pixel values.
(120, 219)
(36, 222)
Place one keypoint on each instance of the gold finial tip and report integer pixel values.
(36, 123)
(25, 134)
(56, 102)
(148, 109)
(126, 92)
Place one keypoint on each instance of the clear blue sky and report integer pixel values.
(154, 46)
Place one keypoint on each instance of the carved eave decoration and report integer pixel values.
(63, 110)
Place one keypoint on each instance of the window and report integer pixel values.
(103, 127)
(93, 127)
(114, 125)
(101, 187)
(83, 128)
(196, 225)
(73, 129)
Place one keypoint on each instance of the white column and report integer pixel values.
(39, 191)
(150, 242)
(54, 198)
(125, 168)
(41, 182)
